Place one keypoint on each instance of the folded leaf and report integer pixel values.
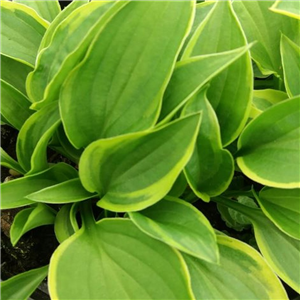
(62, 227)
(9, 162)
(288, 8)
(241, 274)
(130, 172)
(269, 146)
(122, 89)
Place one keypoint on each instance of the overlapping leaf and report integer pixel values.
(9, 162)
(288, 8)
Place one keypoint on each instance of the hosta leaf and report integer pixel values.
(270, 144)
(21, 286)
(21, 32)
(14, 105)
(210, 169)
(34, 137)
(180, 225)
(30, 218)
(9, 162)
(191, 75)
(130, 172)
(289, 8)
(230, 98)
(179, 186)
(123, 263)
(66, 192)
(283, 208)
(290, 55)
(14, 72)
(280, 250)
(69, 44)
(122, 89)
(14, 192)
(48, 10)
(241, 274)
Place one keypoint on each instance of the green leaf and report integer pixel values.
(122, 89)
(67, 48)
(210, 169)
(9, 162)
(34, 137)
(190, 75)
(283, 208)
(21, 286)
(14, 105)
(230, 98)
(48, 10)
(179, 186)
(14, 72)
(289, 8)
(14, 192)
(180, 225)
(66, 192)
(63, 227)
(290, 55)
(141, 175)
(21, 32)
(30, 218)
(123, 263)
(241, 274)
(270, 144)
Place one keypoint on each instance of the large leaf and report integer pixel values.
(21, 286)
(34, 137)
(48, 10)
(180, 225)
(21, 32)
(9, 162)
(230, 98)
(241, 274)
(283, 208)
(290, 55)
(269, 146)
(30, 218)
(289, 8)
(14, 105)
(14, 192)
(210, 169)
(130, 172)
(122, 89)
(68, 46)
(123, 263)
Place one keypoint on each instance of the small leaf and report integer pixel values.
(9, 162)
(274, 136)
(62, 227)
(288, 8)
(180, 225)
(21, 286)
(141, 176)
(30, 218)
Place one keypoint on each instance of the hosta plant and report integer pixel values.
(159, 108)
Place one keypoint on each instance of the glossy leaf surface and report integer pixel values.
(130, 172)
(8, 162)
(288, 8)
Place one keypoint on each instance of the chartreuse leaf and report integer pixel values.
(48, 10)
(289, 8)
(30, 218)
(282, 206)
(190, 75)
(280, 250)
(65, 192)
(122, 89)
(14, 105)
(230, 98)
(69, 44)
(264, 99)
(123, 263)
(14, 72)
(62, 227)
(34, 137)
(180, 225)
(21, 32)
(270, 144)
(290, 55)
(9, 162)
(210, 169)
(241, 274)
(130, 173)
(14, 192)
(21, 286)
